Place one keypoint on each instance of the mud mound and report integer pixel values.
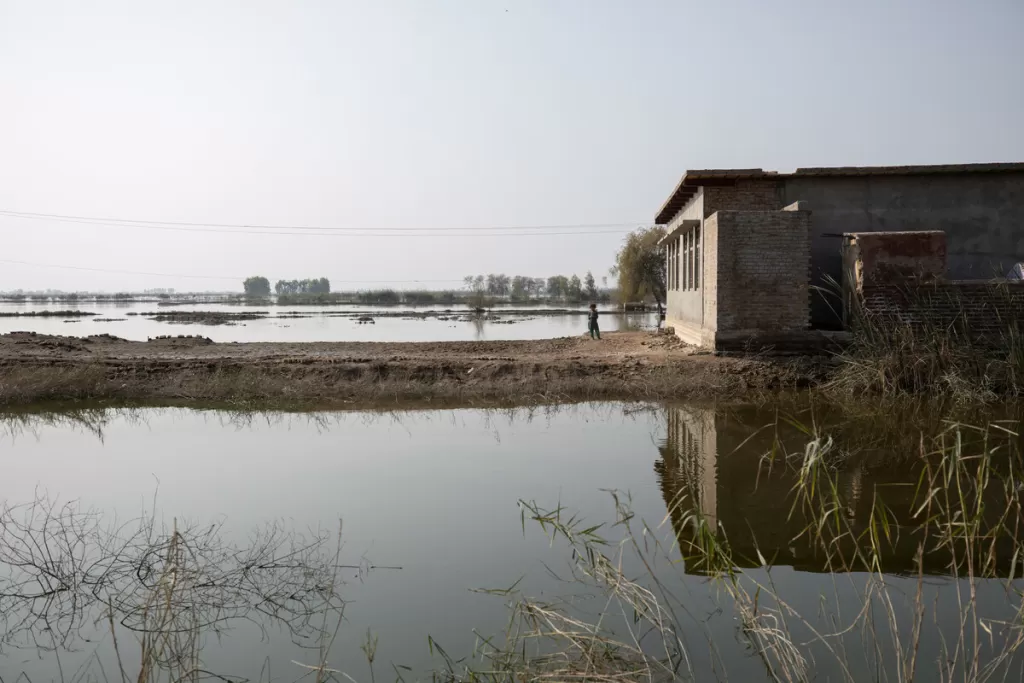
(204, 317)
(181, 341)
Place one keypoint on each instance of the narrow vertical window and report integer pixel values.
(675, 262)
(672, 264)
(689, 260)
(668, 262)
(682, 260)
(696, 260)
(679, 264)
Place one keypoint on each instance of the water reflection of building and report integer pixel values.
(725, 467)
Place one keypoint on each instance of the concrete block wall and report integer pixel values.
(981, 214)
(756, 273)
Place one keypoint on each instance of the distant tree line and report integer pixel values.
(524, 288)
(318, 286)
(260, 286)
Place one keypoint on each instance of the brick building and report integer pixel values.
(756, 255)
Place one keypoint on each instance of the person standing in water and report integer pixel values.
(595, 331)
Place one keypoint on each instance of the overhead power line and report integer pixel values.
(207, 277)
(318, 231)
(30, 214)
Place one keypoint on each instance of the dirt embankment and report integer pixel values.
(632, 365)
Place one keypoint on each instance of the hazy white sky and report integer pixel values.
(441, 114)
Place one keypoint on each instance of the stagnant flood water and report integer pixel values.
(438, 510)
(135, 321)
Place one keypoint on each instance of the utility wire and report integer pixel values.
(317, 234)
(317, 231)
(206, 277)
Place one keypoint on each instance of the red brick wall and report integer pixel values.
(757, 271)
(898, 256)
(978, 311)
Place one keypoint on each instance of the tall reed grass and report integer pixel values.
(875, 626)
(930, 338)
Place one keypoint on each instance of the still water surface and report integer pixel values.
(433, 497)
(318, 323)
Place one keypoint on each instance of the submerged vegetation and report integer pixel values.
(155, 596)
(636, 618)
(925, 572)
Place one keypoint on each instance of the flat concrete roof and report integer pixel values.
(693, 180)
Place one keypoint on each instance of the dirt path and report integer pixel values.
(633, 365)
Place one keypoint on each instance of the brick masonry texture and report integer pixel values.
(757, 267)
(982, 312)
(745, 195)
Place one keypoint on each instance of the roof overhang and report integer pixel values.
(692, 181)
(680, 229)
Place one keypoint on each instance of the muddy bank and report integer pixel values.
(631, 365)
(201, 317)
(46, 314)
(231, 318)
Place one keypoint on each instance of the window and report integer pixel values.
(696, 259)
(668, 260)
(684, 264)
(680, 265)
(683, 272)
(689, 259)
(675, 262)
(672, 264)
(673, 248)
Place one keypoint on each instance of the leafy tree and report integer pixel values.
(557, 286)
(590, 286)
(475, 283)
(521, 286)
(498, 284)
(256, 286)
(574, 291)
(640, 266)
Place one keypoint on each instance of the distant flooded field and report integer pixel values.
(782, 541)
(233, 323)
